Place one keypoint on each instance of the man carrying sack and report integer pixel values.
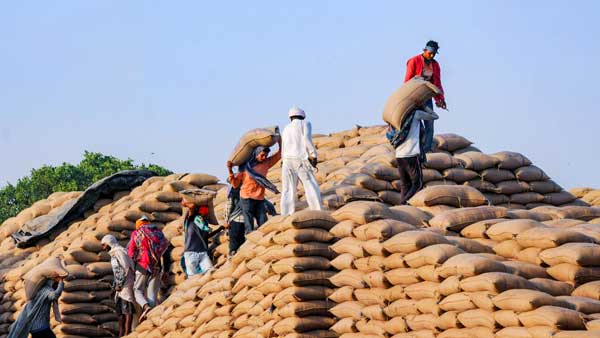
(299, 157)
(146, 248)
(252, 181)
(408, 142)
(196, 257)
(43, 286)
(424, 65)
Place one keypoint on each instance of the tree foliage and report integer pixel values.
(66, 177)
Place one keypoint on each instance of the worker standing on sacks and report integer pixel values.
(424, 65)
(252, 181)
(299, 158)
(408, 143)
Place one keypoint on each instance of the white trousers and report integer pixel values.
(292, 170)
(196, 262)
(145, 288)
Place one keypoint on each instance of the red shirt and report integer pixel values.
(414, 67)
(144, 243)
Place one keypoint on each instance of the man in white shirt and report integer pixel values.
(299, 156)
(408, 155)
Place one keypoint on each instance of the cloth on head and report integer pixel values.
(141, 222)
(295, 111)
(260, 179)
(109, 240)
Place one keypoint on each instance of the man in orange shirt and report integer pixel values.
(252, 181)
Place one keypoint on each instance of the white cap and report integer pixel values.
(295, 111)
(109, 240)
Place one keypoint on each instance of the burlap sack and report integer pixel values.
(469, 265)
(457, 196)
(479, 229)
(558, 198)
(52, 267)
(344, 325)
(581, 304)
(520, 300)
(584, 254)
(349, 277)
(363, 212)
(266, 137)
(350, 309)
(367, 182)
(457, 302)
(309, 219)
(552, 287)
(451, 142)
(509, 229)
(460, 175)
(530, 173)
(511, 160)
(477, 161)
(495, 282)
(402, 276)
(432, 255)
(553, 316)
(381, 229)
(526, 270)
(575, 274)
(349, 245)
(411, 241)
(371, 327)
(495, 175)
(410, 95)
(441, 161)
(477, 318)
(299, 264)
(528, 214)
(458, 219)
(546, 238)
(511, 187)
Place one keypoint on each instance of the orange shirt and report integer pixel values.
(250, 188)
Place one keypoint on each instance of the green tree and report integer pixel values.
(47, 179)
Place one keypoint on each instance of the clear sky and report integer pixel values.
(177, 82)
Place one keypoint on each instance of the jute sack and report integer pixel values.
(509, 229)
(442, 161)
(526, 270)
(349, 277)
(584, 254)
(495, 175)
(309, 219)
(363, 212)
(576, 274)
(381, 229)
(351, 309)
(477, 318)
(410, 95)
(479, 229)
(530, 173)
(477, 161)
(451, 142)
(479, 332)
(51, 268)
(511, 187)
(367, 182)
(506, 318)
(458, 219)
(552, 287)
(544, 187)
(460, 175)
(558, 198)
(589, 290)
(265, 137)
(457, 302)
(411, 241)
(457, 196)
(578, 212)
(520, 300)
(469, 265)
(375, 327)
(582, 304)
(561, 318)
(344, 325)
(495, 282)
(546, 238)
(528, 214)
(511, 160)
(432, 255)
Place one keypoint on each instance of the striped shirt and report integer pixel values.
(42, 319)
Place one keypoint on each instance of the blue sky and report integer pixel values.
(176, 83)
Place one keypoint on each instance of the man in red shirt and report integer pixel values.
(425, 66)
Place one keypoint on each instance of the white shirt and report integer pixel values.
(297, 142)
(411, 146)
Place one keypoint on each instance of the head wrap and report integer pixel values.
(110, 240)
(260, 179)
(295, 111)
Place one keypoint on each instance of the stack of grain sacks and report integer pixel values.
(588, 195)
(86, 305)
(277, 284)
(354, 163)
(402, 275)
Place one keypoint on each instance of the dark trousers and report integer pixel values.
(411, 177)
(45, 333)
(253, 210)
(428, 124)
(237, 235)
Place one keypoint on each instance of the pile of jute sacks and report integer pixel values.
(87, 307)
(359, 164)
(277, 284)
(588, 195)
(371, 270)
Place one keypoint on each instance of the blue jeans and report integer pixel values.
(428, 146)
(253, 209)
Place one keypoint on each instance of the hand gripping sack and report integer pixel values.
(410, 95)
(265, 137)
